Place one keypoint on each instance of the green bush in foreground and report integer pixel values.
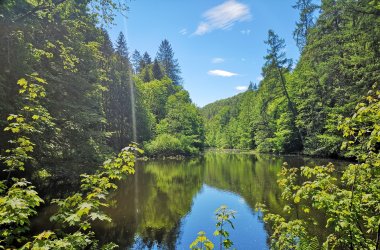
(19, 200)
(350, 202)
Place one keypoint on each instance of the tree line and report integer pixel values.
(96, 88)
(71, 99)
(297, 108)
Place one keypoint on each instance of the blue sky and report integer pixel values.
(219, 43)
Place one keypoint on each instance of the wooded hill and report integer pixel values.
(298, 108)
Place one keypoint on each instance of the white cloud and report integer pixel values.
(183, 31)
(217, 60)
(259, 78)
(222, 73)
(241, 88)
(246, 32)
(223, 16)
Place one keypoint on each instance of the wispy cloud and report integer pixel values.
(222, 73)
(259, 78)
(217, 60)
(246, 32)
(223, 16)
(183, 32)
(241, 88)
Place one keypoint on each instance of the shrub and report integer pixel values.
(169, 145)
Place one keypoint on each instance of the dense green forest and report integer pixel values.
(297, 108)
(95, 88)
(71, 99)
(74, 102)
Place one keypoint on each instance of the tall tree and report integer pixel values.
(119, 111)
(165, 56)
(277, 62)
(147, 59)
(305, 22)
(121, 46)
(136, 61)
(157, 71)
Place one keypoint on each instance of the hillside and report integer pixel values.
(298, 108)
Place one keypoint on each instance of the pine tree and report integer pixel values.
(136, 61)
(165, 56)
(106, 46)
(119, 112)
(157, 72)
(252, 86)
(121, 46)
(306, 21)
(277, 64)
(147, 59)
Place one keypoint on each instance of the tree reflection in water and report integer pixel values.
(166, 190)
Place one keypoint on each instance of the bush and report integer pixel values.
(169, 145)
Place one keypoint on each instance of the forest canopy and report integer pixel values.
(297, 108)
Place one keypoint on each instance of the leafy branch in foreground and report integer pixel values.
(79, 210)
(351, 202)
(224, 217)
(202, 242)
(19, 200)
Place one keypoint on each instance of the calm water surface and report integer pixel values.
(167, 202)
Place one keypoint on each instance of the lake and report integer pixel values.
(167, 202)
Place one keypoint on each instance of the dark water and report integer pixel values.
(167, 202)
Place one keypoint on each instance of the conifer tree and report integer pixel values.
(121, 46)
(136, 61)
(165, 56)
(147, 59)
(157, 72)
(277, 65)
(252, 86)
(305, 22)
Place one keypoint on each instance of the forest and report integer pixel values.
(75, 105)
(297, 108)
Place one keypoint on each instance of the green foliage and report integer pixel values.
(178, 119)
(165, 56)
(202, 242)
(81, 209)
(224, 217)
(17, 204)
(351, 202)
(169, 145)
(299, 110)
(19, 200)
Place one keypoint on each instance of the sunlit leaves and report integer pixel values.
(202, 242)
(351, 202)
(82, 208)
(224, 217)
(17, 205)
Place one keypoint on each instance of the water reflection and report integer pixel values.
(166, 203)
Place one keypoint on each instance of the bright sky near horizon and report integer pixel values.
(219, 43)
